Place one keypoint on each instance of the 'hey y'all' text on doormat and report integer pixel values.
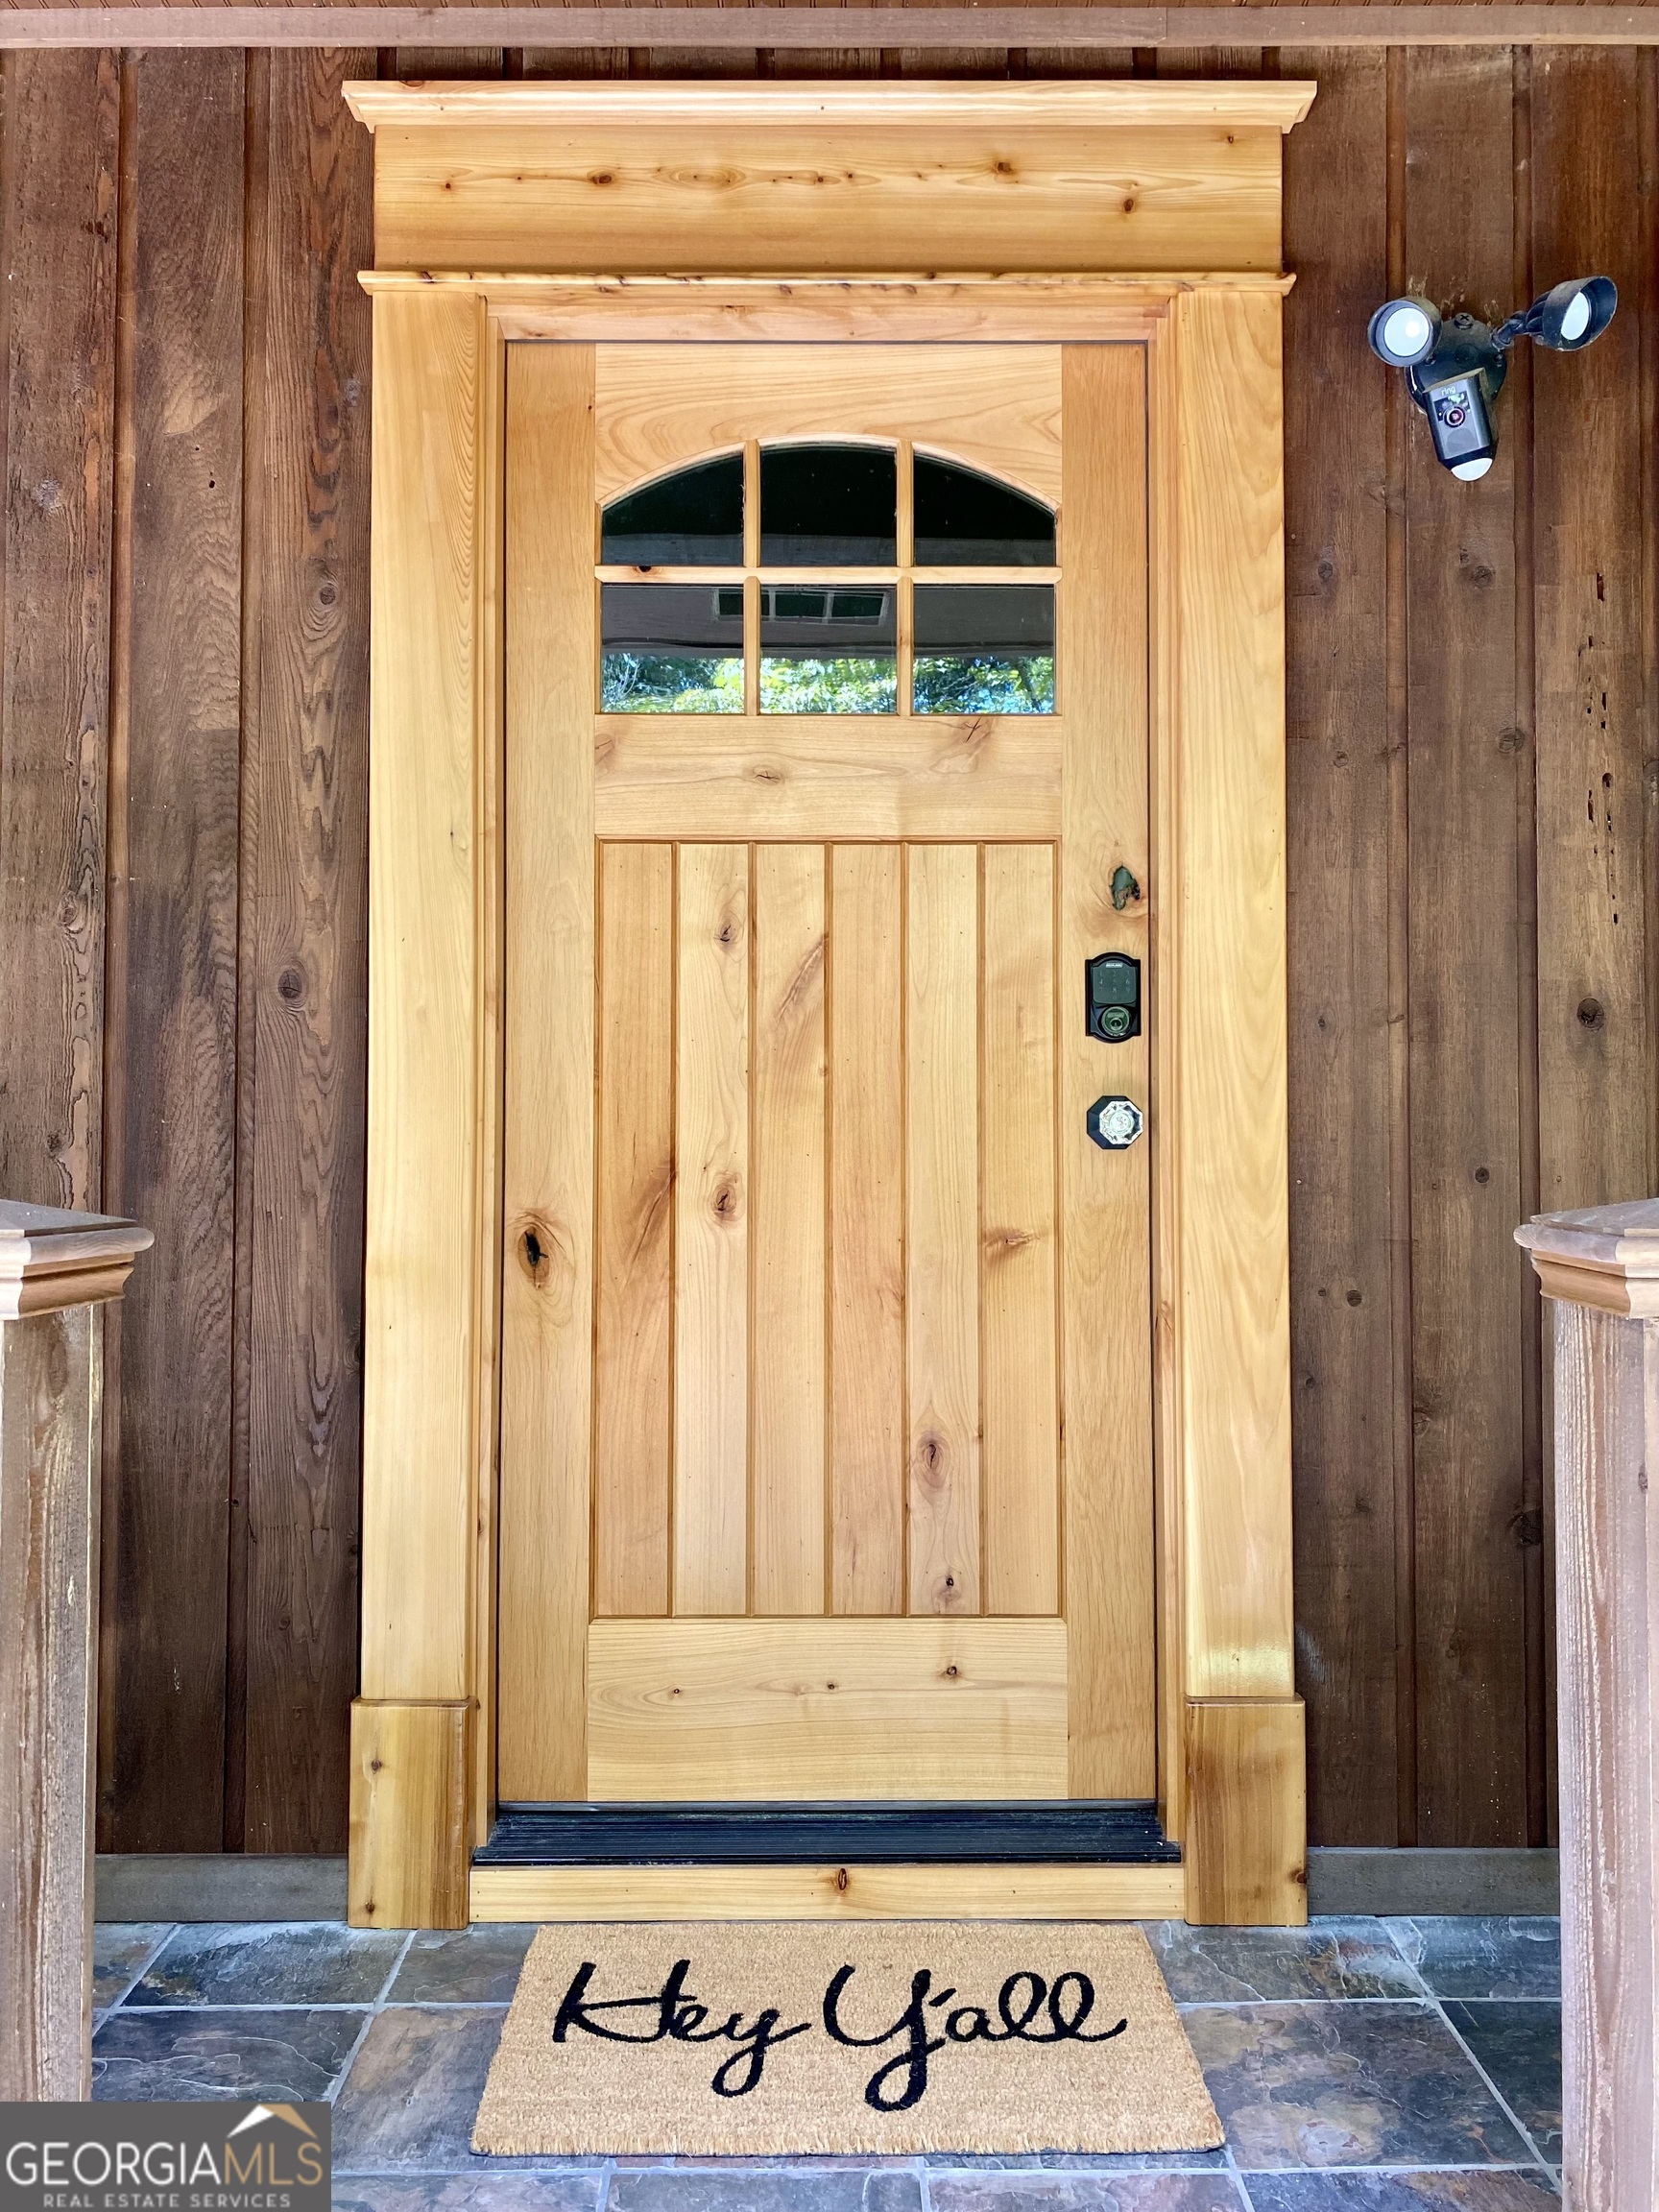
(887, 2037)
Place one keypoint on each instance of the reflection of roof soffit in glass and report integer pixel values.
(828, 505)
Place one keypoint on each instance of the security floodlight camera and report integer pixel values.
(1455, 367)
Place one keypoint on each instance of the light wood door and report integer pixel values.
(826, 1373)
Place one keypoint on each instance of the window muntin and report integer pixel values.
(827, 578)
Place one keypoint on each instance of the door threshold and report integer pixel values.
(934, 1890)
(1068, 1832)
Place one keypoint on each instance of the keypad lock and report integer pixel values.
(1113, 996)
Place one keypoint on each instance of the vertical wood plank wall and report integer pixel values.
(183, 807)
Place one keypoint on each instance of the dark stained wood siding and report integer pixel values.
(184, 791)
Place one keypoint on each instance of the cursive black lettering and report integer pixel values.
(909, 2069)
(680, 2018)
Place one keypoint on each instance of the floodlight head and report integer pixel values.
(1455, 366)
(1572, 316)
(1403, 332)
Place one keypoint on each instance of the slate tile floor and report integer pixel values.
(1358, 2066)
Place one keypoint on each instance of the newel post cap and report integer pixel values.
(1601, 1255)
(50, 1258)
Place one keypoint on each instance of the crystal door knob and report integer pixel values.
(1115, 1123)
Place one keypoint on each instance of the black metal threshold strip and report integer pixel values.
(1075, 1832)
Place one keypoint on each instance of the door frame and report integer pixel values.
(475, 174)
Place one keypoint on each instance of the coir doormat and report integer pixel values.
(887, 2037)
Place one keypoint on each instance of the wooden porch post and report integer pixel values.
(1601, 1268)
(56, 1269)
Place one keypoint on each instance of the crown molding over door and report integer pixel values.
(1137, 213)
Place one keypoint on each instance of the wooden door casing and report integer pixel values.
(843, 1219)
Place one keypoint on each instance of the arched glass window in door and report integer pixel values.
(831, 577)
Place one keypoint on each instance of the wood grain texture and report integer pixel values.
(1040, 1892)
(1245, 1846)
(58, 249)
(1019, 1352)
(787, 1377)
(599, 41)
(633, 1386)
(1348, 1498)
(1228, 1108)
(304, 957)
(1106, 1197)
(782, 195)
(830, 1708)
(547, 1201)
(829, 776)
(170, 1047)
(867, 1229)
(410, 1853)
(421, 1326)
(941, 1226)
(1595, 1057)
(49, 1457)
(1607, 1375)
(993, 407)
(1470, 762)
(712, 1321)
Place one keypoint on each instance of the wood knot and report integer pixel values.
(1591, 1012)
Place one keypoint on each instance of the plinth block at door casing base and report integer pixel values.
(1245, 1851)
(410, 1847)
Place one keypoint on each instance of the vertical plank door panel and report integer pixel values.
(867, 1228)
(633, 1409)
(547, 1288)
(711, 1234)
(57, 243)
(172, 1043)
(942, 1251)
(1468, 750)
(1017, 1276)
(786, 1230)
(1339, 883)
(305, 835)
(1105, 1196)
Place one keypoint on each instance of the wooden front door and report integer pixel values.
(826, 1392)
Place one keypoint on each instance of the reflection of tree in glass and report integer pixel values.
(671, 683)
(854, 685)
(984, 684)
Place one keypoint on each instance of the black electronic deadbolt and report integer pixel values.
(1113, 996)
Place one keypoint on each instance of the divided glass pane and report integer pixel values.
(964, 520)
(693, 517)
(984, 649)
(830, 650)
(671, 648)
(828, 506)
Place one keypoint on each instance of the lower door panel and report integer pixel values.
(827, 1709)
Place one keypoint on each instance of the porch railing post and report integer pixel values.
(56, 1269)
(1601, 1270)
